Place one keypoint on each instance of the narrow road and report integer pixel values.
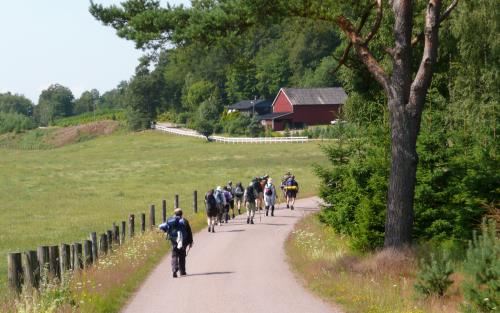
(239, 268)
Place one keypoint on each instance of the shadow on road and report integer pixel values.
(210, 273)
(231, 231)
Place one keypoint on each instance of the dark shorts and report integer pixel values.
(231, 203)
(291, 193)
(212, 212)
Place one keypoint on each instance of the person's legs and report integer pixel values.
(267, 210)
(251, 210)
(209, 222)
(182, 260)
(272, 210)
(293, 201)
(175, 261)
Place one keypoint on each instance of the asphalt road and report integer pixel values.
(239, 268)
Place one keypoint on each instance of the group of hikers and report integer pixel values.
(221, 202)
(220, 207)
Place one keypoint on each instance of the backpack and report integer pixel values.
(219, 197)
(238, 191)
(211, 203)
(173, 225)
(250, 194)
(269, 191)
(291, 185)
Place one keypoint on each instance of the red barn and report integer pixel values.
(300, 107)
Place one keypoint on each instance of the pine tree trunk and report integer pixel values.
(402, 179)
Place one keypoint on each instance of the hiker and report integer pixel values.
(249, 199)
(238, 196)
(228, 197)
(220, 199)
(260, 193)
(211, 209)
(230, 188)
(292, 188)
(180, 235)
(270, 196)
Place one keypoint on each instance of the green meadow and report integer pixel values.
(61, 195)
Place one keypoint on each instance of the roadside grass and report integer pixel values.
(61, 195)
(379, 282)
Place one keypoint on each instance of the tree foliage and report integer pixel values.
(55, 101)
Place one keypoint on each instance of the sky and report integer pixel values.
(44, 42)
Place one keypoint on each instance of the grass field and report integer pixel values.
(60, 195)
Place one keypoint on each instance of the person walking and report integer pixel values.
(284, 179)
(220, 199)
(249, 199)
(211, 209)
(238, 196)
(292, 188)
(228, 197)
(230, 188)
(270, 196)
(180, 235)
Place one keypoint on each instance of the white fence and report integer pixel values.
(233, 140)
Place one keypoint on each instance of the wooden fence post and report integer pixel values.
(15, 271)
(124, 226)
(31, 269)
(43, 259)
(163, 211)
(65, 258)
(131, 225)
(77, 256)
(109, 235)
(54, 267)
(152, 220)
(176, 202)
(87, 253)
(195, 201)
(95, 251)
(116, 234)
(103, 244)
(143, 222)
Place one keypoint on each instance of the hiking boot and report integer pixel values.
(174, 275)
(183, 273)
(209, 230)
(239, 211)
(272, 213)
(251, 221)
(213, 229)
(233, 216)
(267, 212)
(287, 206)
(248, 220)
(292, 207)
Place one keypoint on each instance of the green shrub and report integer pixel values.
(15, 122)
(89, 117)
(481, 288)
(434, 276)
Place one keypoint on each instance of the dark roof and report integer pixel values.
(315, 96)
(272, 116)
(248, 104)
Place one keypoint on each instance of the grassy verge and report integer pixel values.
(370, 283)
(61, 195)
(107, 286)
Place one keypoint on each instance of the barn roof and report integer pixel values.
(315, 96)
(248, 104)
(272, 116)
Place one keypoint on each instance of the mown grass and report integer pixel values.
(379, 282)
(61, 195)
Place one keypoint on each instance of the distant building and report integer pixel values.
(251, 107)
(301, 107)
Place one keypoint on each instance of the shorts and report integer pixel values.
(251, 206)
(212, 212)
(239, 199)
(231, 203)
(291, 193)
(261, 195)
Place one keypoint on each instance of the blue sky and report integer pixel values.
(57, 41)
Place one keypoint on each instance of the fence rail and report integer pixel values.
(233, 140)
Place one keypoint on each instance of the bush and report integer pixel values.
(15, 122)
(434, 276)
(481, 288)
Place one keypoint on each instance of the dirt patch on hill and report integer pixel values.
(68, 135)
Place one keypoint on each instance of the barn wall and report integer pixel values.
(282, 104)
(315, 114)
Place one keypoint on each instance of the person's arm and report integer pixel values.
(189, 239)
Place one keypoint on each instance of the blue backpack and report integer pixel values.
(173, 225)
